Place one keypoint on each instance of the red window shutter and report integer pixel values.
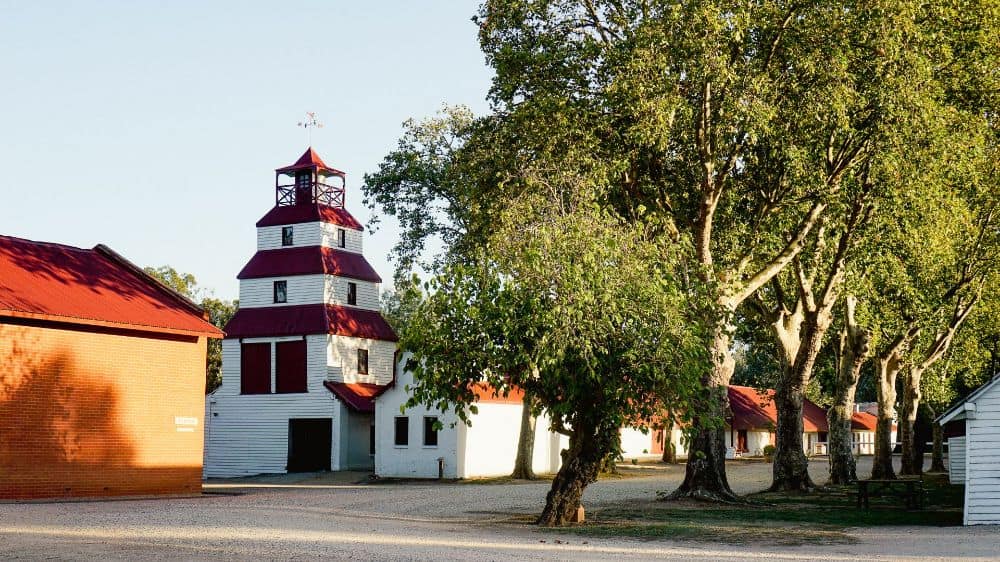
(291, 362)
(255, 368)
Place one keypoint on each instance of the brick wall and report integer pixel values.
(92, 412)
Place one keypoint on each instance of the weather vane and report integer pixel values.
(309, 124)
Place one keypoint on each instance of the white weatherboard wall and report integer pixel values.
(489, 446)
(956, 460)
(982, 454)
(248, 434)
(301, 289)
(335, 292)
(309, 234)
(342, 357)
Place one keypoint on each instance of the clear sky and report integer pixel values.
(155, 127)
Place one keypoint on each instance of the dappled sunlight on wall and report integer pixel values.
(87, 413)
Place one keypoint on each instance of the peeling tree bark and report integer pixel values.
(851, 356)
(705, 473)
(912, 461)
(890, 362)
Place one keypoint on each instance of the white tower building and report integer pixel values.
(308, 350)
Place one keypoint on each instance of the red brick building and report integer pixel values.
(102, 374)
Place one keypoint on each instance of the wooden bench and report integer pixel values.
(910, 489)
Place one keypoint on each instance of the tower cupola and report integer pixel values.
(309, 181)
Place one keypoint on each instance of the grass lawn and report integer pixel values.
(774, 518)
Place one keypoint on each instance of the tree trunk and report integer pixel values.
(669, 451)
(888, 369)
(791, 466)
(912, 457)
(705, 472)
(851, 356)
(589, 446)
(525, 445)
(937, 454)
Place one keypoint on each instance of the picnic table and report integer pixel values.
(910, 489)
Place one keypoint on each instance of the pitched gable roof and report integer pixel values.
(753, 409)
(55, 282)
(959, 408)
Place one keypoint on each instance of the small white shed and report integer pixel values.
(976, 456)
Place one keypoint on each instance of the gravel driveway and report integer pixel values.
(299, 517)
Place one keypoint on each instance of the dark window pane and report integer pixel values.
(352, 293)
(290, 361)
(280, 291)
(362, 361)
(402, 431)
(430, 431)
(341, 237)
(255, 368)
(286, 236)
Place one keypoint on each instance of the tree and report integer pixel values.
(852, 352)
(574, 308)
(219, 311)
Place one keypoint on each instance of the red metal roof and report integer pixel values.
(309, 319)
(309, 160)
(54, 282)
(295, 214)
(357, 396)
(756, 410)
(863, 421)
(308, 260)
(487, 393)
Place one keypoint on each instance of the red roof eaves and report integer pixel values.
(305, 260)
(304, 319)
(218, 334)
(313, 212)
(357, 396)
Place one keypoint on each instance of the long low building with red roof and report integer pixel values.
(102, 374)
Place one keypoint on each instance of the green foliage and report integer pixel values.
(581, 310)
(220, 312)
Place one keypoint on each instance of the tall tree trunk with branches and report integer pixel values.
(889, 364)
(913, 458)
(852, 353)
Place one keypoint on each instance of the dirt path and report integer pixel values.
(291, 518)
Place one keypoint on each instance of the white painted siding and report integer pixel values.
(863, 442)
(342, 359)
(413, 460)
(489, 446)
(248, 434)
(982, 488)
(309, 234)
(336, 292)
(956, 460)
(637, 445)
(486, 448)
(302, 289)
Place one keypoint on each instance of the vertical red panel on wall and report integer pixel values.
(291, 366)
(255, 368)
